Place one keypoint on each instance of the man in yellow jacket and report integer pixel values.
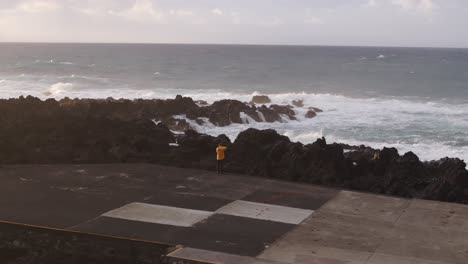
(220, 158)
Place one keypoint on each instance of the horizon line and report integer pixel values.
(230, 44)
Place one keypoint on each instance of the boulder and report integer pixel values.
(226, 112)
(310, 114)
(284, 110)
(269, 114)
(315, 109)
(260, 99)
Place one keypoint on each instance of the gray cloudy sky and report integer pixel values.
(437, 23)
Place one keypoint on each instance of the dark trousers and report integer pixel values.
(220, 166)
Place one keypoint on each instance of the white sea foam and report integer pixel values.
(262, 117)
(246, 119)
(52, 61)
(432, 130)
(58, 89)
(85, 78)
(381, 56)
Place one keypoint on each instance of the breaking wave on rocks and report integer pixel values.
(431, 129)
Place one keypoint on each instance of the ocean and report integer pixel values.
(413, 99)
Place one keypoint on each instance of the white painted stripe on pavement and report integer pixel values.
(159, 214)
(268, 212)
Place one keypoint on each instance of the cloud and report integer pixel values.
(270, 22)
(89, 11)
(312, 20)
(141, 11)
(217, 11)
(38, 6)
(144, 11)
(181, 13)
(426, 6)
(371, 3)
(355, 22)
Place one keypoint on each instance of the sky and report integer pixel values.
(418, 23)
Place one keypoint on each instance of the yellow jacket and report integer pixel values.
(220, 152)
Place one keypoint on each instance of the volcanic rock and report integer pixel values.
(45, 132)
(106, 131)
(201, 102)
(269, 115)
(177, 124)
(260, 99)
(226, 112)
(310, 114)
(315, 109)
(284, 110)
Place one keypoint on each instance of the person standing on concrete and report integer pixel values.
(220, 158)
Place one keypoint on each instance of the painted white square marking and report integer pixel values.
(268, 212)
(159, 214)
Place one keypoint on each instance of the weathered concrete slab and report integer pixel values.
(384, 208)
(391, 259)
(442, 251)
(364, 228)
(55, 195)
(217, 257)
(346, 227)
(159, 214)
(131, 229)
(268, 212)
(310, 200)
(290, 252)
(330, 230)
(181, 199)
(233, 234)
(223, 233)
(431, 213)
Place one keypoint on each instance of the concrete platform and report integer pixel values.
(269, 212)
(364, 228)
(159, 214)
(234, 218)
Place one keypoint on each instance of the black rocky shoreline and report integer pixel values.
(33, 131)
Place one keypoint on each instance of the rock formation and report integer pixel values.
(106, 131)
(310, 114)
(260, 99)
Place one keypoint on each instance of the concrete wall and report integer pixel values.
(31, 244)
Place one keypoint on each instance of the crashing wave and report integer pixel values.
(58, 89)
